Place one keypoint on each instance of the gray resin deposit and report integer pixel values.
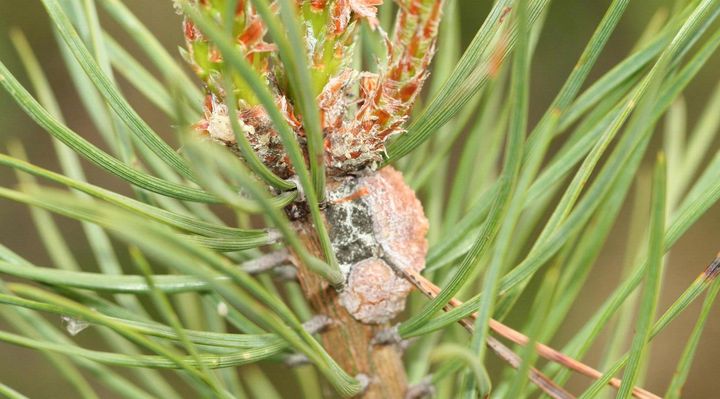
(377, 228)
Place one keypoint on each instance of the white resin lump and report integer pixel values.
(377, 228)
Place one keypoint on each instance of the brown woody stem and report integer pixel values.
(347, 340)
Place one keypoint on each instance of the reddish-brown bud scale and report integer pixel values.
(317, 5)
(239, 7)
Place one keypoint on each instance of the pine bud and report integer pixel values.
(359, 109)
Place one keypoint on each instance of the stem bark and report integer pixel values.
(347, 340)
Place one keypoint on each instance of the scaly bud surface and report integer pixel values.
(359, 110)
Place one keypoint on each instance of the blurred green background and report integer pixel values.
(568, 26)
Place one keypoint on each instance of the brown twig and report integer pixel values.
(536, 376)
(431, 290)
(542, 381)
(347, 340)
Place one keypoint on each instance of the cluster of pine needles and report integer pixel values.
(182, 298)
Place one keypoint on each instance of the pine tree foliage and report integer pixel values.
(193, 287)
